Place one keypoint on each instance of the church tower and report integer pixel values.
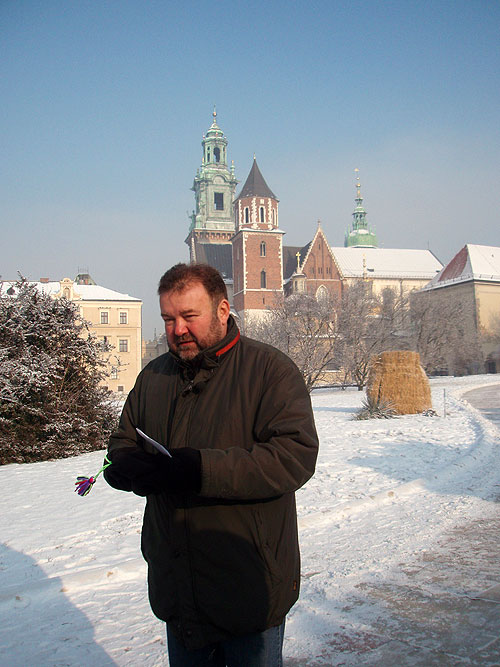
(212, 221)
(257, 247)
(361, 235)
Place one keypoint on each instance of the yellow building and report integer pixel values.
(113, 317)
(473, 275)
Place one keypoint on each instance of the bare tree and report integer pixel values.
(444, 332)
(303, 328)
(367, 324)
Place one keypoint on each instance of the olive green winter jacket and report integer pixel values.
(225, 562)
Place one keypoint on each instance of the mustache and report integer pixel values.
(185, 338)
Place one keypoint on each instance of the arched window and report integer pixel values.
(247, 215)
(217, 154)
(208, 154)
(274, 218)
(262, 214)
(321, 294)
(263, 279)
(263, 249)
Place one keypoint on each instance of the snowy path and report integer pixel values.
(72, 582)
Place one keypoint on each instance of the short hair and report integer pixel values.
(181, 275)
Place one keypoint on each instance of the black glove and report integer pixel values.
(155, 473)
(114, 477)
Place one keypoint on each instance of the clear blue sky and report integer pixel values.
(104, 105)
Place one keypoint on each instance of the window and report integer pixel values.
(104, 317)
(217, 154)
(219, 201)
(123, 345)
(262, 214)
(114, 373)
(322, 294)
(123, 317)
(263, 249)
(208, 154)
(247, 215)
(120, 388)
(263, 279)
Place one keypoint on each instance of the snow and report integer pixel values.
(73, 582)
(386, 262)
(472, 262)
(83, 292)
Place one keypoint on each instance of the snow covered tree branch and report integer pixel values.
(52, 402)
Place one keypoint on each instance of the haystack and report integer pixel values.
(396, 377)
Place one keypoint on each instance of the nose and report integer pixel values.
(180, 327)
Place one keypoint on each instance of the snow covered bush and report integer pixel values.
(51, 402)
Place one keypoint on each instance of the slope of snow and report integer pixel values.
(73, 582)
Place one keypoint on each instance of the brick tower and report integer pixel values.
(257, 248)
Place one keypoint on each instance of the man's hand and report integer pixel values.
(135, 470)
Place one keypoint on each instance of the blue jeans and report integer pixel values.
(259, 649)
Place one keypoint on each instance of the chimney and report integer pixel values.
(44, 280)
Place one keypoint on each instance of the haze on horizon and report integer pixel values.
(105, 105)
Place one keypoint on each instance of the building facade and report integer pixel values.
(257, 248)
(473, 276)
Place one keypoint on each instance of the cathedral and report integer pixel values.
(240, 235)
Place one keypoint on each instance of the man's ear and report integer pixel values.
(223, 311)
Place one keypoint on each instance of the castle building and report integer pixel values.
(243, 239)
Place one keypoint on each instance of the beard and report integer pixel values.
(188, 346)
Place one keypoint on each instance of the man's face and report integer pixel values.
(191, 324)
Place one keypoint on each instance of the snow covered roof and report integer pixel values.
(386, 263)
(82, 292)
(472, 262)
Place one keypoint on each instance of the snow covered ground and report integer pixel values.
(73, 583)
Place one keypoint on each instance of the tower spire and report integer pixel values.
(212, 221)
(361, 235)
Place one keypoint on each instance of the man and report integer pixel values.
(220, 530)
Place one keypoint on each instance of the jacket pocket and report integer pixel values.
(266, 550)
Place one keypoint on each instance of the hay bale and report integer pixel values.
(398, 378)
